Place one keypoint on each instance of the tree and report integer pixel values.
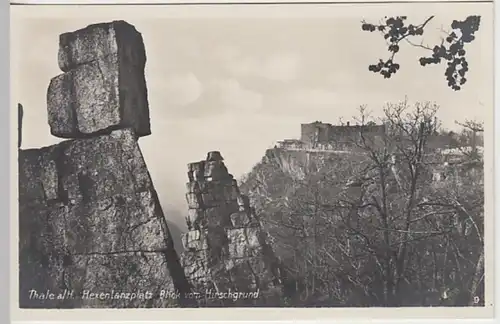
(472, 131)
(452, 49)
(396, 222)
(426, 236)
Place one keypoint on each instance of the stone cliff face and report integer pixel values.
(298, 163)
(89, 217)
(226, 248)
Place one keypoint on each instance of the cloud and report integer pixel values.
(234, 97)
(278, 67)
(282, 67)
(181, 89)
(220, 96)
(314, 97)
(226, 52)
(302, 101)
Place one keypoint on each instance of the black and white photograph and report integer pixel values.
(254, 156)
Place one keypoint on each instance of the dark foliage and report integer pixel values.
(451, 50)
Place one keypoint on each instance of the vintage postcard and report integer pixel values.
(215, 161)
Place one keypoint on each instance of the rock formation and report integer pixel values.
(226, 249)
(90, 221)
(103, 87)
(91, 229)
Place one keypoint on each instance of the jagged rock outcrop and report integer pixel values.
(90, 221)
(103, 87)
(226, 248)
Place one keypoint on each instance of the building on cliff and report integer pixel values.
(324, 133)
(321, 136)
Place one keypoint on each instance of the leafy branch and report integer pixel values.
(451, 50)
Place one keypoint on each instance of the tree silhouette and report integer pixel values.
(451, 50)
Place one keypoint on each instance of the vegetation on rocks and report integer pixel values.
(399, 224)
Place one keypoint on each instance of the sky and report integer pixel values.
(238, 81)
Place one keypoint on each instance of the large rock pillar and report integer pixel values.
(103, 87)
(91, 228)
(226, 249)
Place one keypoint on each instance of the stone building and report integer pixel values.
(324, 133)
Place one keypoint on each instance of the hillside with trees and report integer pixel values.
(398, 223)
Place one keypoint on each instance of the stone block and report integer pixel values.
(190, 176)
(196, 171)
(100, 232)
(236, 247)
(214, 156)
(219, 216)
(194, 201)
(210, 200)
(215, 170)
(98, 41)
(219, 191)
(197, 166)
(97, 97)
(193, 187)
(223, 190)
(194, 218)
(212, 194)
(194, 240)
(83, 169)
